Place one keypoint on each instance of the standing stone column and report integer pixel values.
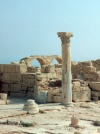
(66, 69)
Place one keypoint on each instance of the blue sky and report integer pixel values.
(29, 27)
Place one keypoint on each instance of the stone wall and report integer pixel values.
(45, 82)
(86, 71)
(21, 80)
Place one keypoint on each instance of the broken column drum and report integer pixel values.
(66, 69)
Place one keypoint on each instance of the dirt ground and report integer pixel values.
(53, 118)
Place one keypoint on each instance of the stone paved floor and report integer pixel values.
(53, 118)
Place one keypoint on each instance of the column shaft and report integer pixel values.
(66, 69)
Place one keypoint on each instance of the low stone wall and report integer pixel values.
(95, 90)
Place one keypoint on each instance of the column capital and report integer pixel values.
(65, 37)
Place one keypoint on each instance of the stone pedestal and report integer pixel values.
(74, 122)
(31, 107)
(66, 69)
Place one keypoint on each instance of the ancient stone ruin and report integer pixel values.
(44, 83)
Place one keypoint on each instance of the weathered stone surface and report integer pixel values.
(2, 67)
(50, 97)
(81, 96)
(5, 77)
(57, 99)
(3, 96)
(15, 77)
(31, 107)
(22, 68)
(5, 88)
(41, 96)
(95, 86)
(10, 68)
(15, 87)
(2, 102)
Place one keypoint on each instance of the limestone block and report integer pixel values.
(57, 99)
(10, 68)
(50, 97)
(88, 63)
(2, 68)
(25, 82)
(21, 68)
(15, 76)
(81, 96)
(5, 77)
(5, 88)
(57, 93)
(89, 69)
(76, 83)
(41, 96)
(31, 75)
(24, 76)
(15, 87)
(94, 86)
(30, 94)
(95, 93)
(24, 88)
(76, 88)
(31, 82)
(2, 102)
(3, 96)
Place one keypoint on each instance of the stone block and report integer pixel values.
(15, 87)
(30, 95)
(24, 76)
(2, 67)
(57, 99)
(31, 75)
(76, 83)
(2, 102)
(22, 68)
(95, 86)
(41, 97)
(81, 96)
(24, 88)
(5, 77)
(95, 93)
(57, 94)
(31, 82)
(5, 88)
(15, 77)
(10, 68)
(3, 96)
(50, 97)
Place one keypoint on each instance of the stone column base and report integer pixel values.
(70, 104)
